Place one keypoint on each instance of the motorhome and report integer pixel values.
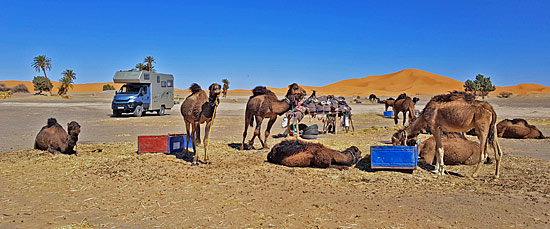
(143, 91)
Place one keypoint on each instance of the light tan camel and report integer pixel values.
(518, 128)
(265, 104)
(297, 153)
(458, 150)
(404, 104)
(456, 112)
(197, 109)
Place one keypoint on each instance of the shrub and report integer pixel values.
(21, 88)
(3, 87)
(505, 94)
(107, 87)
(42, 83)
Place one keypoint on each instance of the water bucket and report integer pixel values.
(388, 114)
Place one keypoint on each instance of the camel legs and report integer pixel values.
(395, 116)
(498, 155)
(439, 154)
(482, 136)
(187, 128)
(247, 120)
(194, 128)
(405, 117)
(205, 142)
(268, 129)
(259, 121)
(198, 134)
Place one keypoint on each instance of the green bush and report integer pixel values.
(107, 87)
(42, 83)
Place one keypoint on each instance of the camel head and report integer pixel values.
(295, 92)
(355, 153)
(215, 90)
(401, 138)
(416, 99)
(73, 128)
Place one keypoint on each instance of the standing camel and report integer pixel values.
(388, 103)
(265, 104)
(404, 104)
(54, 139)
(456, 112)
(197, 109)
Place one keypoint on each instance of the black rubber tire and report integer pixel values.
(314, 126)
(162, 111)
(117, 113)
(138, 112)
(309, 137)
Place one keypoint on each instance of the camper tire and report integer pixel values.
(138, 111)
(116, 113)
(162, 111)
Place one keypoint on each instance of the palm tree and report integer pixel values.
(140, 66)
(42, 63)
(66, 81)
(149, 60)
(225, 87)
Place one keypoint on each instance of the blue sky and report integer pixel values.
(276, 43)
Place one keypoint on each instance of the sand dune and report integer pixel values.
(410, 81)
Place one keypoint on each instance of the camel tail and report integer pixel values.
(252, 121)
(492, 128)
(51, 122)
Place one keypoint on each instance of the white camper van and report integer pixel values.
(143, 91)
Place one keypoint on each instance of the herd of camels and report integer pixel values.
(447, 117)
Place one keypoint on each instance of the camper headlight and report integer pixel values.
(131, 99)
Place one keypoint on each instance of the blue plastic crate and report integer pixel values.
(394, 157)
(177, 143)
(388, 114)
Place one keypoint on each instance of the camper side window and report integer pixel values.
(146, 77)
(163, 84)
(170, 83)
(158, 79)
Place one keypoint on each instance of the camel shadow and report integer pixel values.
(365, 165)
(184, 155)
(130, 115)
(237, 146)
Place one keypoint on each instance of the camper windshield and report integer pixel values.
(129, 89)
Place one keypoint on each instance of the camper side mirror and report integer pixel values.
(116, 92)
(141, 93)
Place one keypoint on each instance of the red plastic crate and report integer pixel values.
(153, 144)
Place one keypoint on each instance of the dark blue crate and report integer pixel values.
(177, 143)
(388, 114)
(394, 157)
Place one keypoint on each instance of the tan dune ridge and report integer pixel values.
(410, 81)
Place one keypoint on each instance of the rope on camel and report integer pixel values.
(213, 115)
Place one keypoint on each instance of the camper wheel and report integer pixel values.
(161, 111)
(138, 111)
(116, 113)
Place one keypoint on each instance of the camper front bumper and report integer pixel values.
(127, 107)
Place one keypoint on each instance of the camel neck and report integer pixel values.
(281, 106)
(71, 142)
(415, 127)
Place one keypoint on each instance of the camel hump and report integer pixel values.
(51, 122)
(402, 96)
(259, 90)
(195, 88)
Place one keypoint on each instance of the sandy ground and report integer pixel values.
(110, 185)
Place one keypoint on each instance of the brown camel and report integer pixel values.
(197, 109)
(54, 139)
(458, 150)
(456, 112)
(518, 128)
(388, 103)
(297, 153)
(264, 104)
(404, 104)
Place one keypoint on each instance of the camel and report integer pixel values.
(197, 109)
(373, 98)
(264, 104)
(388, 103)
(456, 112)
(54, 139)
(404, 104)
(518, 128)
(415, 99)
(458, 150)
(297, 153)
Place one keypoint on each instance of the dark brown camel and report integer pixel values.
(404, 104)
(458, 150)
(456, 112)
(54, 139)
(197, 109)
(373, 98)
(518, 128)
(265, 104)
(297, 153)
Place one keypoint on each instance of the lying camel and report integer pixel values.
(458, 150)
(296, 153)
(518, 128)
(54, 139)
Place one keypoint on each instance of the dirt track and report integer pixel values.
(110, 185)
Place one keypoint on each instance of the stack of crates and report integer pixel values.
(172, 143)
